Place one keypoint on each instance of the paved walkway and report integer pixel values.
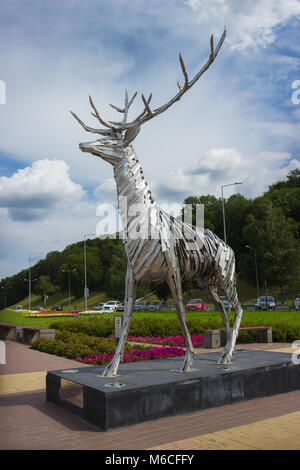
(28, 421)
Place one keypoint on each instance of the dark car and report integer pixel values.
(265, 302)
(196, 304)
(121, 307)
(98, 307)
(157, 305)
(56, 308)
(141, 306)
(38, 307)
(225, 302)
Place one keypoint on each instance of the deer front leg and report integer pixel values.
(174, 282)
(130, 296)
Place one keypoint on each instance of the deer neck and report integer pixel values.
(134, 195)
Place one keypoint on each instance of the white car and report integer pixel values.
(110, 306)
(297, 302)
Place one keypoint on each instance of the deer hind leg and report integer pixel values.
(232, 297)
(211, 292)
(130, 296)
(174, 282)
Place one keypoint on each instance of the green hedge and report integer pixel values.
(99, 327)
(103, 327)
(72, 345)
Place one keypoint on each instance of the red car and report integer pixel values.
(120, 308)
(196, 304)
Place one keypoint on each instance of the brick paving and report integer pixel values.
(28, 421)
(20, 358)
(282, 432)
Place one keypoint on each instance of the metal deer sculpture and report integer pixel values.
(159, 247)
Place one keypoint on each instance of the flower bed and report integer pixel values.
(46, 314)
(88, 312)
(134, 356)
(178, 340)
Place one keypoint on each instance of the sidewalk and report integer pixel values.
(28, 421)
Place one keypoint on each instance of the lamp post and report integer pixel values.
(256, 271)
(86, 292)
(29, 298)
(29, 278)
(69, 271)
(223, 206)
(5, 295)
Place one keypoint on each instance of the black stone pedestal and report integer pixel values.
(153, 389)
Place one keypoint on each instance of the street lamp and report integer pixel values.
(69, 271)
(31, 281)
(223, 206)
(256, 271)
(5, 295)
(29, 278)
(86, 291)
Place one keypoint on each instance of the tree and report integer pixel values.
(44, 287)
(237, 209)
(286, 195)
(273, 235)
(212, 212)
(292, 181)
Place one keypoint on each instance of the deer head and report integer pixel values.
(118, 135)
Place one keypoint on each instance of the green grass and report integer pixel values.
(62, 298)
(250, 318)
(16, 318)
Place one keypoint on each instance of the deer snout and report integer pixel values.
(87, 146)
(90, 147)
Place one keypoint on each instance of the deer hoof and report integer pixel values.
(111, 369)
(225, 358)
(188, 362)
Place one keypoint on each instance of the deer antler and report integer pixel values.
(105, 132)
(147, 113)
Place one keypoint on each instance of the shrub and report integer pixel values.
(284, 333)
(99, 327)
(72, 345)
(246, 337)
(104, 327)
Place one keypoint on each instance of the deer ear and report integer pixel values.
(130, 135)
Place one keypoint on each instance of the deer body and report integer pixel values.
(159, 247)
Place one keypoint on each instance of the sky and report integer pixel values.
(240, 121)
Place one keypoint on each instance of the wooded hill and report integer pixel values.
(269, 224)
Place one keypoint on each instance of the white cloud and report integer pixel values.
(217, 160)
(34, 191)
(106, 191)
(250, 23)
(221, 166)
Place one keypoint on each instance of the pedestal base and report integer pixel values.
(154, 389)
